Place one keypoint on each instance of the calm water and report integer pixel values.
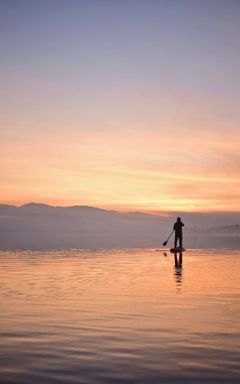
(119, 316)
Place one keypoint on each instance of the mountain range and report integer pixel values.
(34, 225)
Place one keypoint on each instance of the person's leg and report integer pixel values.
(180, 241)
(175, 241)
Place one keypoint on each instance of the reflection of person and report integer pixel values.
(178, 270)
(178, 233)
(178, 262)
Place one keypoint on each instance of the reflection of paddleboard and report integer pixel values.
(175, 250)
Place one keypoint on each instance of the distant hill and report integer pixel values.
(227, 229)
(35, 225)
(77, 226)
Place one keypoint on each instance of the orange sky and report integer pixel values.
(121, 110)
(129, 169)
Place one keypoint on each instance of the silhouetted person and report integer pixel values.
(178, 233)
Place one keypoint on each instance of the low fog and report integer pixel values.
(39, 226)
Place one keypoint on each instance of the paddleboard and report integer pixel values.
(175, 250)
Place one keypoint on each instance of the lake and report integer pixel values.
(119, 316)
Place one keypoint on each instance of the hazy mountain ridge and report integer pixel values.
(84, 226)
(224, 229)
(82, 214)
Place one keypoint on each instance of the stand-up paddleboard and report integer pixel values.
(178, 249)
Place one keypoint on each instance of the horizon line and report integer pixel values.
(129, 210)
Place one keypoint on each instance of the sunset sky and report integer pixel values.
(124, 104)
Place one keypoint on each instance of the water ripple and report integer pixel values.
(119, 316)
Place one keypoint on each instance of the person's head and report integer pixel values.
(179, 219)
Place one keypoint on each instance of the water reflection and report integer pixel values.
(178, 270)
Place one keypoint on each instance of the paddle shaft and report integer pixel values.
(170, 235)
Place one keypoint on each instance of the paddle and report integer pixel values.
(165, 242)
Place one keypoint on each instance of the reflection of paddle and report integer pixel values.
(165, 242)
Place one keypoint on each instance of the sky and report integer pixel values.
(127, 105)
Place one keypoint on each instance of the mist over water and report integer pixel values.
(39, 226)
(119, 316)
(44, 241)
